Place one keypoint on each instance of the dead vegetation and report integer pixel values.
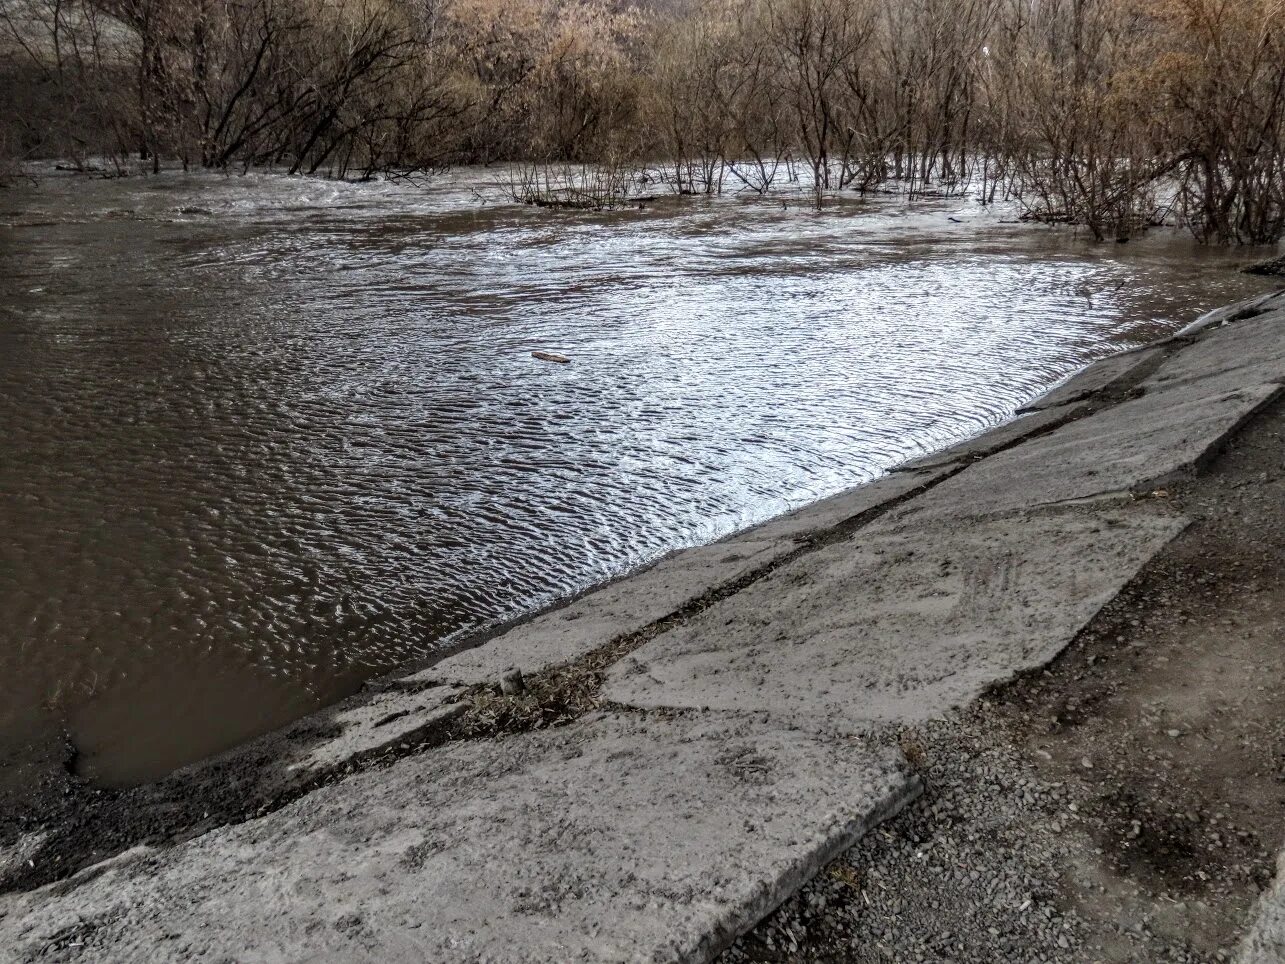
(1112, 114)
(586, 187)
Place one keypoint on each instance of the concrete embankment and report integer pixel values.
(686, 747)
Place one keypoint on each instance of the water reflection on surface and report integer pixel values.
(264, 438)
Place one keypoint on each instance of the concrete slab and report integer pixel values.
(1198, 396)
(1117, 450)
(562, 635)
(1241, 353)
(898, 625)
(838, 509)
(998, 438)
(378, 723)
(614, 839)
(1098, 377)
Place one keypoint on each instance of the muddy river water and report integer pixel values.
(263, 438)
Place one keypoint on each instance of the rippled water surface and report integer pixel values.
(263, 438)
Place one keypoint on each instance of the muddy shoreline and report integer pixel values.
(1118, 838)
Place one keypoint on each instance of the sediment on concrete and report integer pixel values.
(645, 826)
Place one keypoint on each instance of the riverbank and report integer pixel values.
(688, 746)
(328, 454)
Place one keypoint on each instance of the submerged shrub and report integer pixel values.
(1111, 114)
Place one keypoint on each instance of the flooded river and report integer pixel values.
(263, 438)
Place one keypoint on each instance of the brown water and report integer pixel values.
(264, 438)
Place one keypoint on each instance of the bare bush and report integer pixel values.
(1110, 114)
(1221, 74)
(590, 187)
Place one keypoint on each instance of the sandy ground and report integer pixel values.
(1123, 804)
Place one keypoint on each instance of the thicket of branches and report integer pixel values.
(1113, 114)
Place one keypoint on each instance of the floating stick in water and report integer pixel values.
(551, 356)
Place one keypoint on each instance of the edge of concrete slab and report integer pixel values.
(790, 879)
(1025, 424)
(663, 590)
(1100, 377)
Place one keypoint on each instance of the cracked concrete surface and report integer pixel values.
(377, 723)
(998, 438)
(902, 625)
(846, 506)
